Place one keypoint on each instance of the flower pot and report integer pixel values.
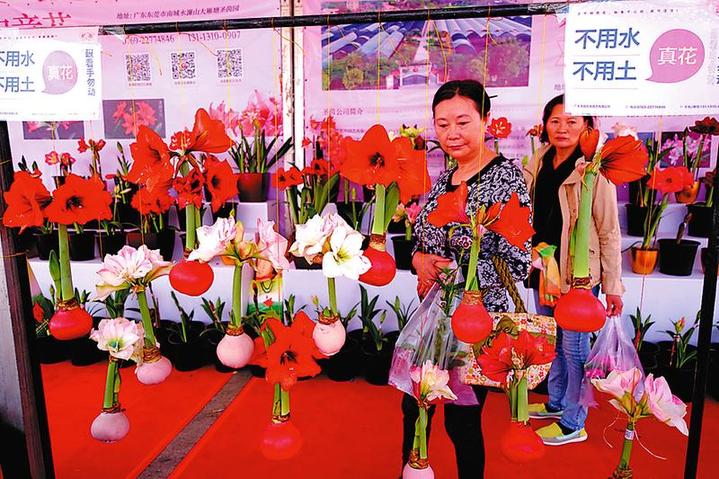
(301, 263)
(252, 187)
(26, 242)
(187, 356)
(648, 356)
(636, 216)
(84, 352)
(45, 243)
(82, 246)
(681, 381)
(164, 241)
(109, 243)
(50, 350)
(346, 364)
(224, 211)
(677, 259)
(700, 223)
(644, 260)
(704, 256)
(688, 195)
(402, 252)
(126, 214)
(210, 338)
(377, 364)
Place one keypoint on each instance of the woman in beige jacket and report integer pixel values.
(554, 186)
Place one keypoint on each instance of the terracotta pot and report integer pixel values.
(688, 195)
(252, 187)
(644, 260)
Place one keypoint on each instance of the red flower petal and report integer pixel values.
(451, 207)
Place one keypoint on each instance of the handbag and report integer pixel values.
(535, 324)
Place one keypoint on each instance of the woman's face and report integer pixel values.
(563, 130)
(460, 128)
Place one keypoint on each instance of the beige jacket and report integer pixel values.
(605, 248)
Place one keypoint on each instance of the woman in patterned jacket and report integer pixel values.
(461, 111)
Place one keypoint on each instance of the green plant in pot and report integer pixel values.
(679, 358)
(185, 350)
(48, 349)
(647, 351)
(376, 349)
(254, 157)
(345, 364)
(402, 312)
(664, 181)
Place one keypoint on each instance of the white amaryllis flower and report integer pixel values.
(118, 336)
(310, 238)
(345, 257)
(213, 240)
(431, 383)
(272, 245)
(130, 267)
(620, 129)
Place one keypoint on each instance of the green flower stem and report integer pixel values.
(522, 412)
(67, 289)
(346, 190)
(710, 197)
(109, 398)
(285, 402)
(237, 296)
(472, 284)
(407, 230)
(378, 220)
(627, 446)
(512, 393)
(422, 432)
(291, 201)
(277, 401)
(654, 218)
(698, 157)
(332, 291)
(496, 145)
(190, 234)
(581, 243)
(150, 340)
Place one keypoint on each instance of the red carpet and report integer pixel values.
(156, 413)
(352, 431)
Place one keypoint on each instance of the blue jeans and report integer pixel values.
(567, 372)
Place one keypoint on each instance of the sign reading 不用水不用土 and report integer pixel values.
(642, 58)
(50, 75)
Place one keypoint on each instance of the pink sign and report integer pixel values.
(676, 55)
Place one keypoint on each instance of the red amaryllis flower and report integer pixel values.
(26, 200)
(79, 201)
(66, 159)
(317, 168)
(155, 201)
(513, 223)
(151, 166)
(451, 207)
(372, 160)
(52, 158)
(38, 313)
(221, 181)
(500, 127)
(413, 178)
(207, 135)
(536, 130)
(92, 145)
(707, 126)
(292, 355)
(588, 141)
(671, 179)
(82, 147)
(506, 354)
(624, 159)
(496, 360)
(284, 179)
(189, 188)
(306, 142)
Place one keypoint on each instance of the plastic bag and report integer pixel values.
(428, 335)
(612, 351)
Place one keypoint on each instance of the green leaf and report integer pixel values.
(391, 201)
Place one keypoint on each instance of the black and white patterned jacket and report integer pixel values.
(496, 183)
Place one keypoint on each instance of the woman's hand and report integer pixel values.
(427, 267)
(614, 304)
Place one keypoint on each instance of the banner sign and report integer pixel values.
(50, 75)
(642, 58)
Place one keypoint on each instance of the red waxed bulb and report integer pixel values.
(383, 267)
(579, 310)
(191, 277)
(70, 321)
(471, 323)
(521, 444)
(280, 441)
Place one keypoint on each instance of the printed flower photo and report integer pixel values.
(675, 141)
(123, 118)
(53, 130)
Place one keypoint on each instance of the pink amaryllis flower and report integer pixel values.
(130, 267)
(229, 117)
(262, 113)
(431, 383)
(214, 240)
(120, 337)
(271, 245)
(665, 406)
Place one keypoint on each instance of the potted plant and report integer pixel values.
(84, 351)
(665, 181)
(214, 332)
(677, 255)
(701, 220)
(123, 191)
(261, 118)
(690, 149)
(402, 312)
(647, 351)
(376, 350)
(48, 349)
(641, 196)
(678, 359)
(184, 346)
(346, 364)
(403, 244)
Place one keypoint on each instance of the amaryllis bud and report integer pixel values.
(70, 321)
(192, 278)
(235, 349)
(383, 267)
(471, 323)
(588, 141)
(579, 310)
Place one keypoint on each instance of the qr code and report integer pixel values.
(183, 65)
(138, 67)
(229, 63)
